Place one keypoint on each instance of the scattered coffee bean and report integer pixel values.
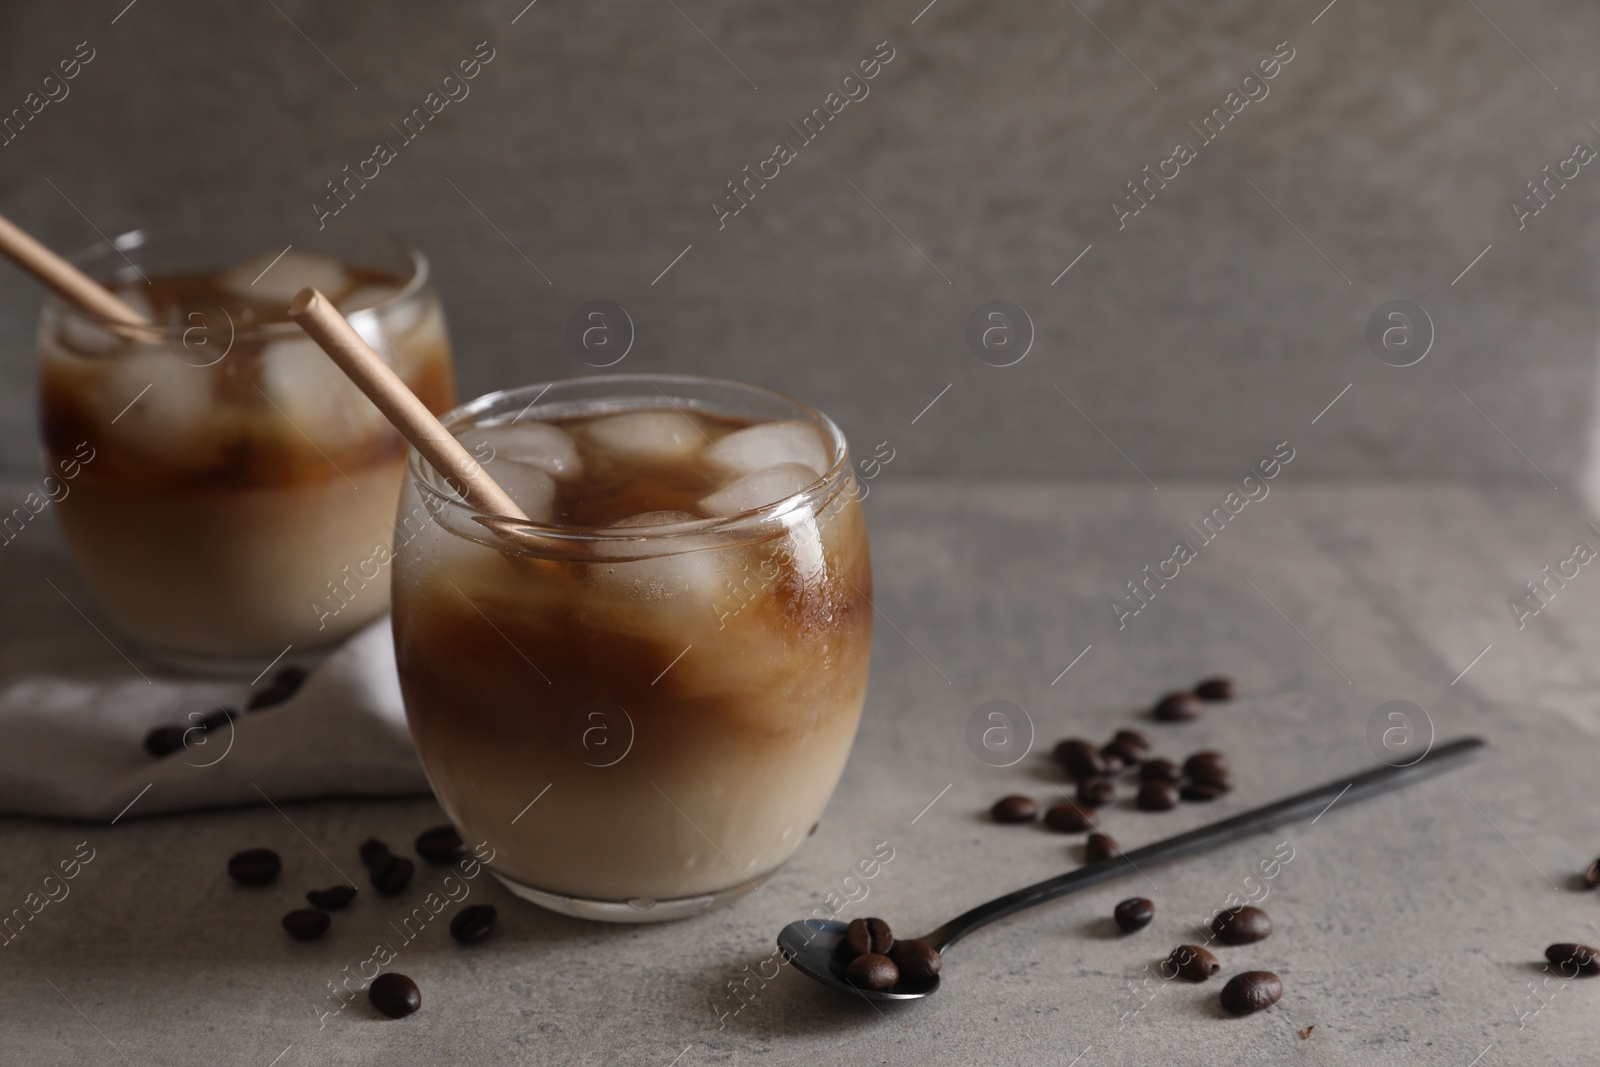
(254, 866)
(1015, 808)
(1068, 818)
(279, 690)
(1159, 770)
(872, 971)
(1096, 792)
(1178, 707)
(164, 740)
(1134, 738)
(1591, 876)
(1080, 759)
(1193, 962)
(395, 995)
(1200, 791)
(1241, 926)
(440, 845)
(305, 924)
(473, 923)
(1126, 753)
(374, 853)
(332, 899)
(218, 718)
(1306, 1033)
(916, 960)
(1100, 847)
(1251, 991)
(868, 937)
(393, 876)
(1158, 796)
(1214, 689)
(1207, 766)
(1134, 914)
(1573, 959)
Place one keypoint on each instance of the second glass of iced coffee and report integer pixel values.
(643, 696)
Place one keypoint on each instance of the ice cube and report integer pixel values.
(366, 296)
(84, 336)
(537, 444)
(156, 405)
(664, 436)
(313, 394)
(766, 445)
(532, 489)
(259, 278)
(756, 490)
(695, 573)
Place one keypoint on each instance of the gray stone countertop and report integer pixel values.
(1409, 929)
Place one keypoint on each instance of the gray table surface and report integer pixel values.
(1408, 929)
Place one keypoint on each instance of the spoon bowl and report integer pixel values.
(812, 946)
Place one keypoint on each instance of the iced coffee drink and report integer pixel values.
(234, 492)
(644, 696)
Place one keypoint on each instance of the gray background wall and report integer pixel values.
(1195, 338)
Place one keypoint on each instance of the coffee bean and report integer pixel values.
(218, 718)
(1241, 926)
(1068, 818)
(1134, 914)
(395, 995)
(868, 936)
(872, 971)
(278, 690)
(1573, 959)
(1015, 808)
(164, 740)
(374, 853)
(473, 923)
(1135, 738)
(1126, 753)
(1100, 847)
(440, 845)
(1251, 991)
(1158, 796)
(305, 924)
(332, 899)
(393, 876)
(254, 866)
(1159, 770)
(1591, 876)
(1213, 689)
(1193, 962)
(1096, 792)
(1111, 760)
(916, 960)
(1178, 707)
(1207, 766)
(1200, 791)
(1080, 759)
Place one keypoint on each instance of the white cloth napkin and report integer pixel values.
(72, 748)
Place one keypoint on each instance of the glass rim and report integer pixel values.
(760, 523)
(54, 303)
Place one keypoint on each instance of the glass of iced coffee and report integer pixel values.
(233, 492)
(642, 696)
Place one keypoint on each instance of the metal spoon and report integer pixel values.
(812, 945)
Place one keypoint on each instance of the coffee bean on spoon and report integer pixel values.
(1215, 688)
(1241, 926)
(869, 936)
(254, 866)
(1158, 796)
(440, 845)
(305, 924)
(1134, 914)
(1251, 991)
(1178, 707)
(1193, 962)
(1159, 770)
(1573, 959)
(393, 876)
(332, 899)
(1096, 792)
(164, 740)
(473, 923)
(872, 971)
(1080, 759)
(1068, 818)
(1207, 766)
(374, 853)
(1015, 809)
(395, 995)
(1100, 847)
(917, 961)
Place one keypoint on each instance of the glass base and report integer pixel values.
(630, 911)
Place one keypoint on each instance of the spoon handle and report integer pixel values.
(1312, 802)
